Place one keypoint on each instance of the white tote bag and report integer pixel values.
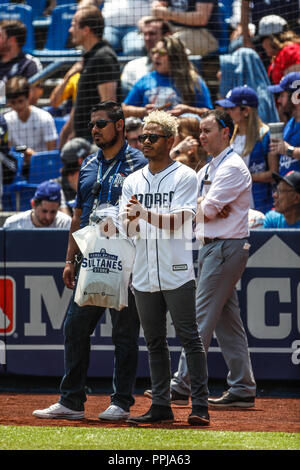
(105, 269)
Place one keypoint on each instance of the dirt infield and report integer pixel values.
(269, 414)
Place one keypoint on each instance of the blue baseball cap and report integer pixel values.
(48, 191)
(291, 82)
(240, 96)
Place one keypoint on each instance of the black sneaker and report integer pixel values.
(199, 417)
(176, 398)
(156, 414)
(230, 400)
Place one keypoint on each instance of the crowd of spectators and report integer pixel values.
(160, 40)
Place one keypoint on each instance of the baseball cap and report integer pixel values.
(287, 83)
(292, 178)
(271, 24)
(48, 191)
(240, 96)
(76, 148)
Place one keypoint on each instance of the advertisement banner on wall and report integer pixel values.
(34, 302)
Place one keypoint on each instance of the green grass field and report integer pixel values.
(80, 438)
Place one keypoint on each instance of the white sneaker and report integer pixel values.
(114, 413)
(58, 411)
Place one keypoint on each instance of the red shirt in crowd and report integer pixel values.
(286, 57)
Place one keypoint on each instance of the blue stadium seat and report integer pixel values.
(14, 11)
(60, 121)
(8, 196)
(38, 7)
(58, 31)
(43, 166)
(58, 34)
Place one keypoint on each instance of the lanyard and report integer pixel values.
(100, 179)
(207, 168)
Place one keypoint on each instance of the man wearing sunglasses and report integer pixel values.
(101, 177)
(286, 202)
(158, 203)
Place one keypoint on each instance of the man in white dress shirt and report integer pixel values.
(222, 225)
(160, 201)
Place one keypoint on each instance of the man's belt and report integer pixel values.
(206, 240)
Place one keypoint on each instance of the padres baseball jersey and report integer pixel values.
(163, 258)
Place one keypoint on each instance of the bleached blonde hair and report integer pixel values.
(166, 121)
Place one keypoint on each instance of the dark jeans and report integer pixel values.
(80, 323)
(152, 308)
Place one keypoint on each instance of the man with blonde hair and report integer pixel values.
(158, 205)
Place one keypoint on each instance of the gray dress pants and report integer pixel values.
(221, 265)
(152, 309)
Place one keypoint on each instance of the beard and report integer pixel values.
(108, 144)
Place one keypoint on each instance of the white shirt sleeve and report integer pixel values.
(185, 195)
(49, 128)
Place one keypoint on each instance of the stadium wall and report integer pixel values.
(34, 301)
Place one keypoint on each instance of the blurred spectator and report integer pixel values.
(100, 76)
(28, 125)
(13, 61)
(281, 45)
(173, 85)
(244, 67)
(72, 155)
(121, 20)
(45, 211)
(67, 88)
(251, 140)
(133, 129)
(152, 30)
(252, 12)
(288, 100)
(286, 213)
(187, 147)
(196, 22)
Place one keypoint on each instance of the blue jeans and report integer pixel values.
(80, 323)
(125, 39)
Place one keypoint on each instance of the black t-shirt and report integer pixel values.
(100, 66)
(24, 64)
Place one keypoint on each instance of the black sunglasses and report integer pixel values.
(152, 137)
(100, 124)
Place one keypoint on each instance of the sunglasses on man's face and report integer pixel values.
(100, 124)
(160, 52)
(151, 137)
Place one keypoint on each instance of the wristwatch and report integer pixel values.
(290, 151)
